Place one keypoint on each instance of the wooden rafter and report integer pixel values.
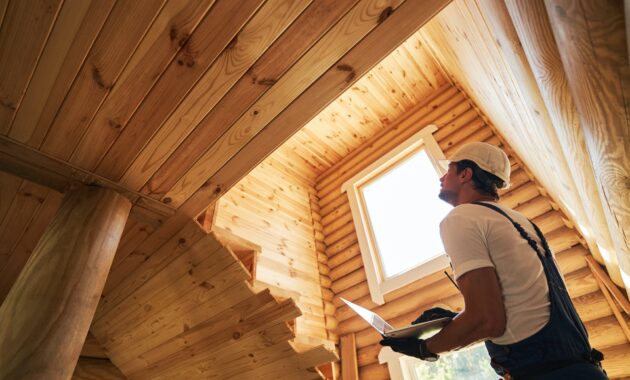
(28, 163)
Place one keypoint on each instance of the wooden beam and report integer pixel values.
(615, 309)
(48, 312)
(591, 41)
(35, 166)
(601, 276)
(536, 36)
(349, 364)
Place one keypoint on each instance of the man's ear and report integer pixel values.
(466, 175)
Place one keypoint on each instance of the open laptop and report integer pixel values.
(420, 330)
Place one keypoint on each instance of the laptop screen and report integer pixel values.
(372, 318)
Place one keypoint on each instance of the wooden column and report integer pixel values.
(349, 363)
(536, 36)
(46, 316)
(591, 39)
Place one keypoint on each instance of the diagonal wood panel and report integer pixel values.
(127, 24)
(360, 59)
(268, 23)
(168, 35)
(350, 30)
(216, 32)
(24, 31)
(61, 61)
(319, 16)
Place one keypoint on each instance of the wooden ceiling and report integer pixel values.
(176, 100)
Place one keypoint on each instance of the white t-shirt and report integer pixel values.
(477, 237)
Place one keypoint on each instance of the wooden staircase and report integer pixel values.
(200, 318)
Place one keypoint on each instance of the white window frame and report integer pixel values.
(377, 283)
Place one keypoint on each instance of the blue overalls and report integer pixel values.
(560, 350)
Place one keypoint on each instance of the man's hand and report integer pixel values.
(411, 347)
(434, 313)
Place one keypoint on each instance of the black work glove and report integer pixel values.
(411, 347)
(434, 313)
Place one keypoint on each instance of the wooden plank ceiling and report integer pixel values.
(172, 102)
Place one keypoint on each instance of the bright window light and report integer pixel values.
(471, 363)
(405, 212)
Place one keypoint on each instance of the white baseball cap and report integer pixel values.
(488, 157)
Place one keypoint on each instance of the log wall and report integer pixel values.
(275, 208)
(458, 122)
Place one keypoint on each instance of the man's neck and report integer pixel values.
(473, 196)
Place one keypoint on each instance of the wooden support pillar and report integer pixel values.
(46, 316)
(591, 39)
(536, 36)
(349, 363)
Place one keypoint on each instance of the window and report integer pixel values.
(397, 213)
(471, 363)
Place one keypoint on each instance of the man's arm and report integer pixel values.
(483, 316)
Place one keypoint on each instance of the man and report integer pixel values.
(515, 298)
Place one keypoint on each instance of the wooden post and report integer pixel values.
(46, 316)
(591, 40)
(349, 363)
(534, 31)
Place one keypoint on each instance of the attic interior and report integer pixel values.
(172, 174)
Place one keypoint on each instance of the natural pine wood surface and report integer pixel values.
(596, 62)
(24, 32)
(198, 316)
(96, 369)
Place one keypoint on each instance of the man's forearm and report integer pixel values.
(460, 332)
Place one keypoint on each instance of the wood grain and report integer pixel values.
(26, 162)
(592, 47)
(349, 365)
(119, 37)
(167, 36)
(536, 35)
(278, 58)
(80, 244)
(345, 34)
(32, 122)
(96, 369)
(26, 241)
(210, 38)
(25, 29)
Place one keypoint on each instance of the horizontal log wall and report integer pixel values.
(271, 207)
(458, 123)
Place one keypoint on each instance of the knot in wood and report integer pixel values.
(385, 14)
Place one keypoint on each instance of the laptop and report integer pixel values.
(420, 330)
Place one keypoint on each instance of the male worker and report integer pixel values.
(515, 298)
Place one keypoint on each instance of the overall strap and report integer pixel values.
(521, 230)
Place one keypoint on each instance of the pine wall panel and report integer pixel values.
(272, 208)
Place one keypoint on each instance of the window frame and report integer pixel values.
(377, 283)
